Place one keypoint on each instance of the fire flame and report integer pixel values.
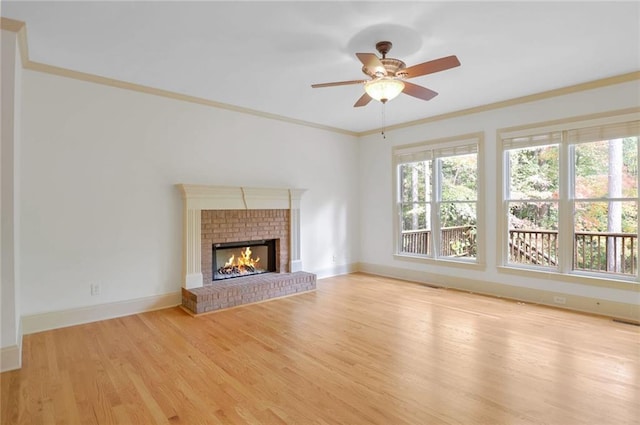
(243, 262)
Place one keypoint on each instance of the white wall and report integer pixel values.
(99, 204)
(377, 219)
(11, 335)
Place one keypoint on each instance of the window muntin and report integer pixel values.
(560, 197)
(437, 200)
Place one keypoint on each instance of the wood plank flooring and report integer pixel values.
(359, 350)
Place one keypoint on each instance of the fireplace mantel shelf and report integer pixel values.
(202, 197)
(240, 198)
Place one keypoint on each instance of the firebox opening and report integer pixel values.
(237, 259)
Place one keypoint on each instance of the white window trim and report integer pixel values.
(565, 267)
(421, 151)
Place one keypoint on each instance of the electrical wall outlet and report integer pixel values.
(95, 289)
(559, 300)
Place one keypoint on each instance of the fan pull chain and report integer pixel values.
(384, 136)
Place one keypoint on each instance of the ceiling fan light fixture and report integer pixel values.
(384, 89)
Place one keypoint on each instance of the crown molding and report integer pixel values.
(92, 78)
(589, 85)
(11, 24)
(20, 28)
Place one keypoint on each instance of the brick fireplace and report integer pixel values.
(223, 226)
(218, 215)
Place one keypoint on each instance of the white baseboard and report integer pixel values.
(619, 310)
(77, 316)
(337, 270)
(11, 356)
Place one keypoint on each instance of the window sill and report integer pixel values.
(627, 285)
(466, 264)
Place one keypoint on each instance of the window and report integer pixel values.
(532, 199)
(437, 199)
(571, 198)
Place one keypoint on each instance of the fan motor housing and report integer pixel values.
(390, 64)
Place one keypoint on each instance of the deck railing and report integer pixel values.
(416, 242)
(607, 252)
(458, 241)
(538, 247)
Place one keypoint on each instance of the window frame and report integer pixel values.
(564, 270)
(423, 151)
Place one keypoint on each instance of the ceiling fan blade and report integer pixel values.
(364, 99)
(418, 91)
(338, 83)
(430, 67)
(371, 62)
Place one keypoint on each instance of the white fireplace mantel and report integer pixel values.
(200, 197)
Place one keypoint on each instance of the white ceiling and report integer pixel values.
(265, 55)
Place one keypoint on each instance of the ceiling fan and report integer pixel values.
(388, 76)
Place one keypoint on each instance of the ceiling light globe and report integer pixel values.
(384, 89)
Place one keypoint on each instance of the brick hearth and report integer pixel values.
(246, 290)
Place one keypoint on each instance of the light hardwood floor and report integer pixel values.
(359, 350)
